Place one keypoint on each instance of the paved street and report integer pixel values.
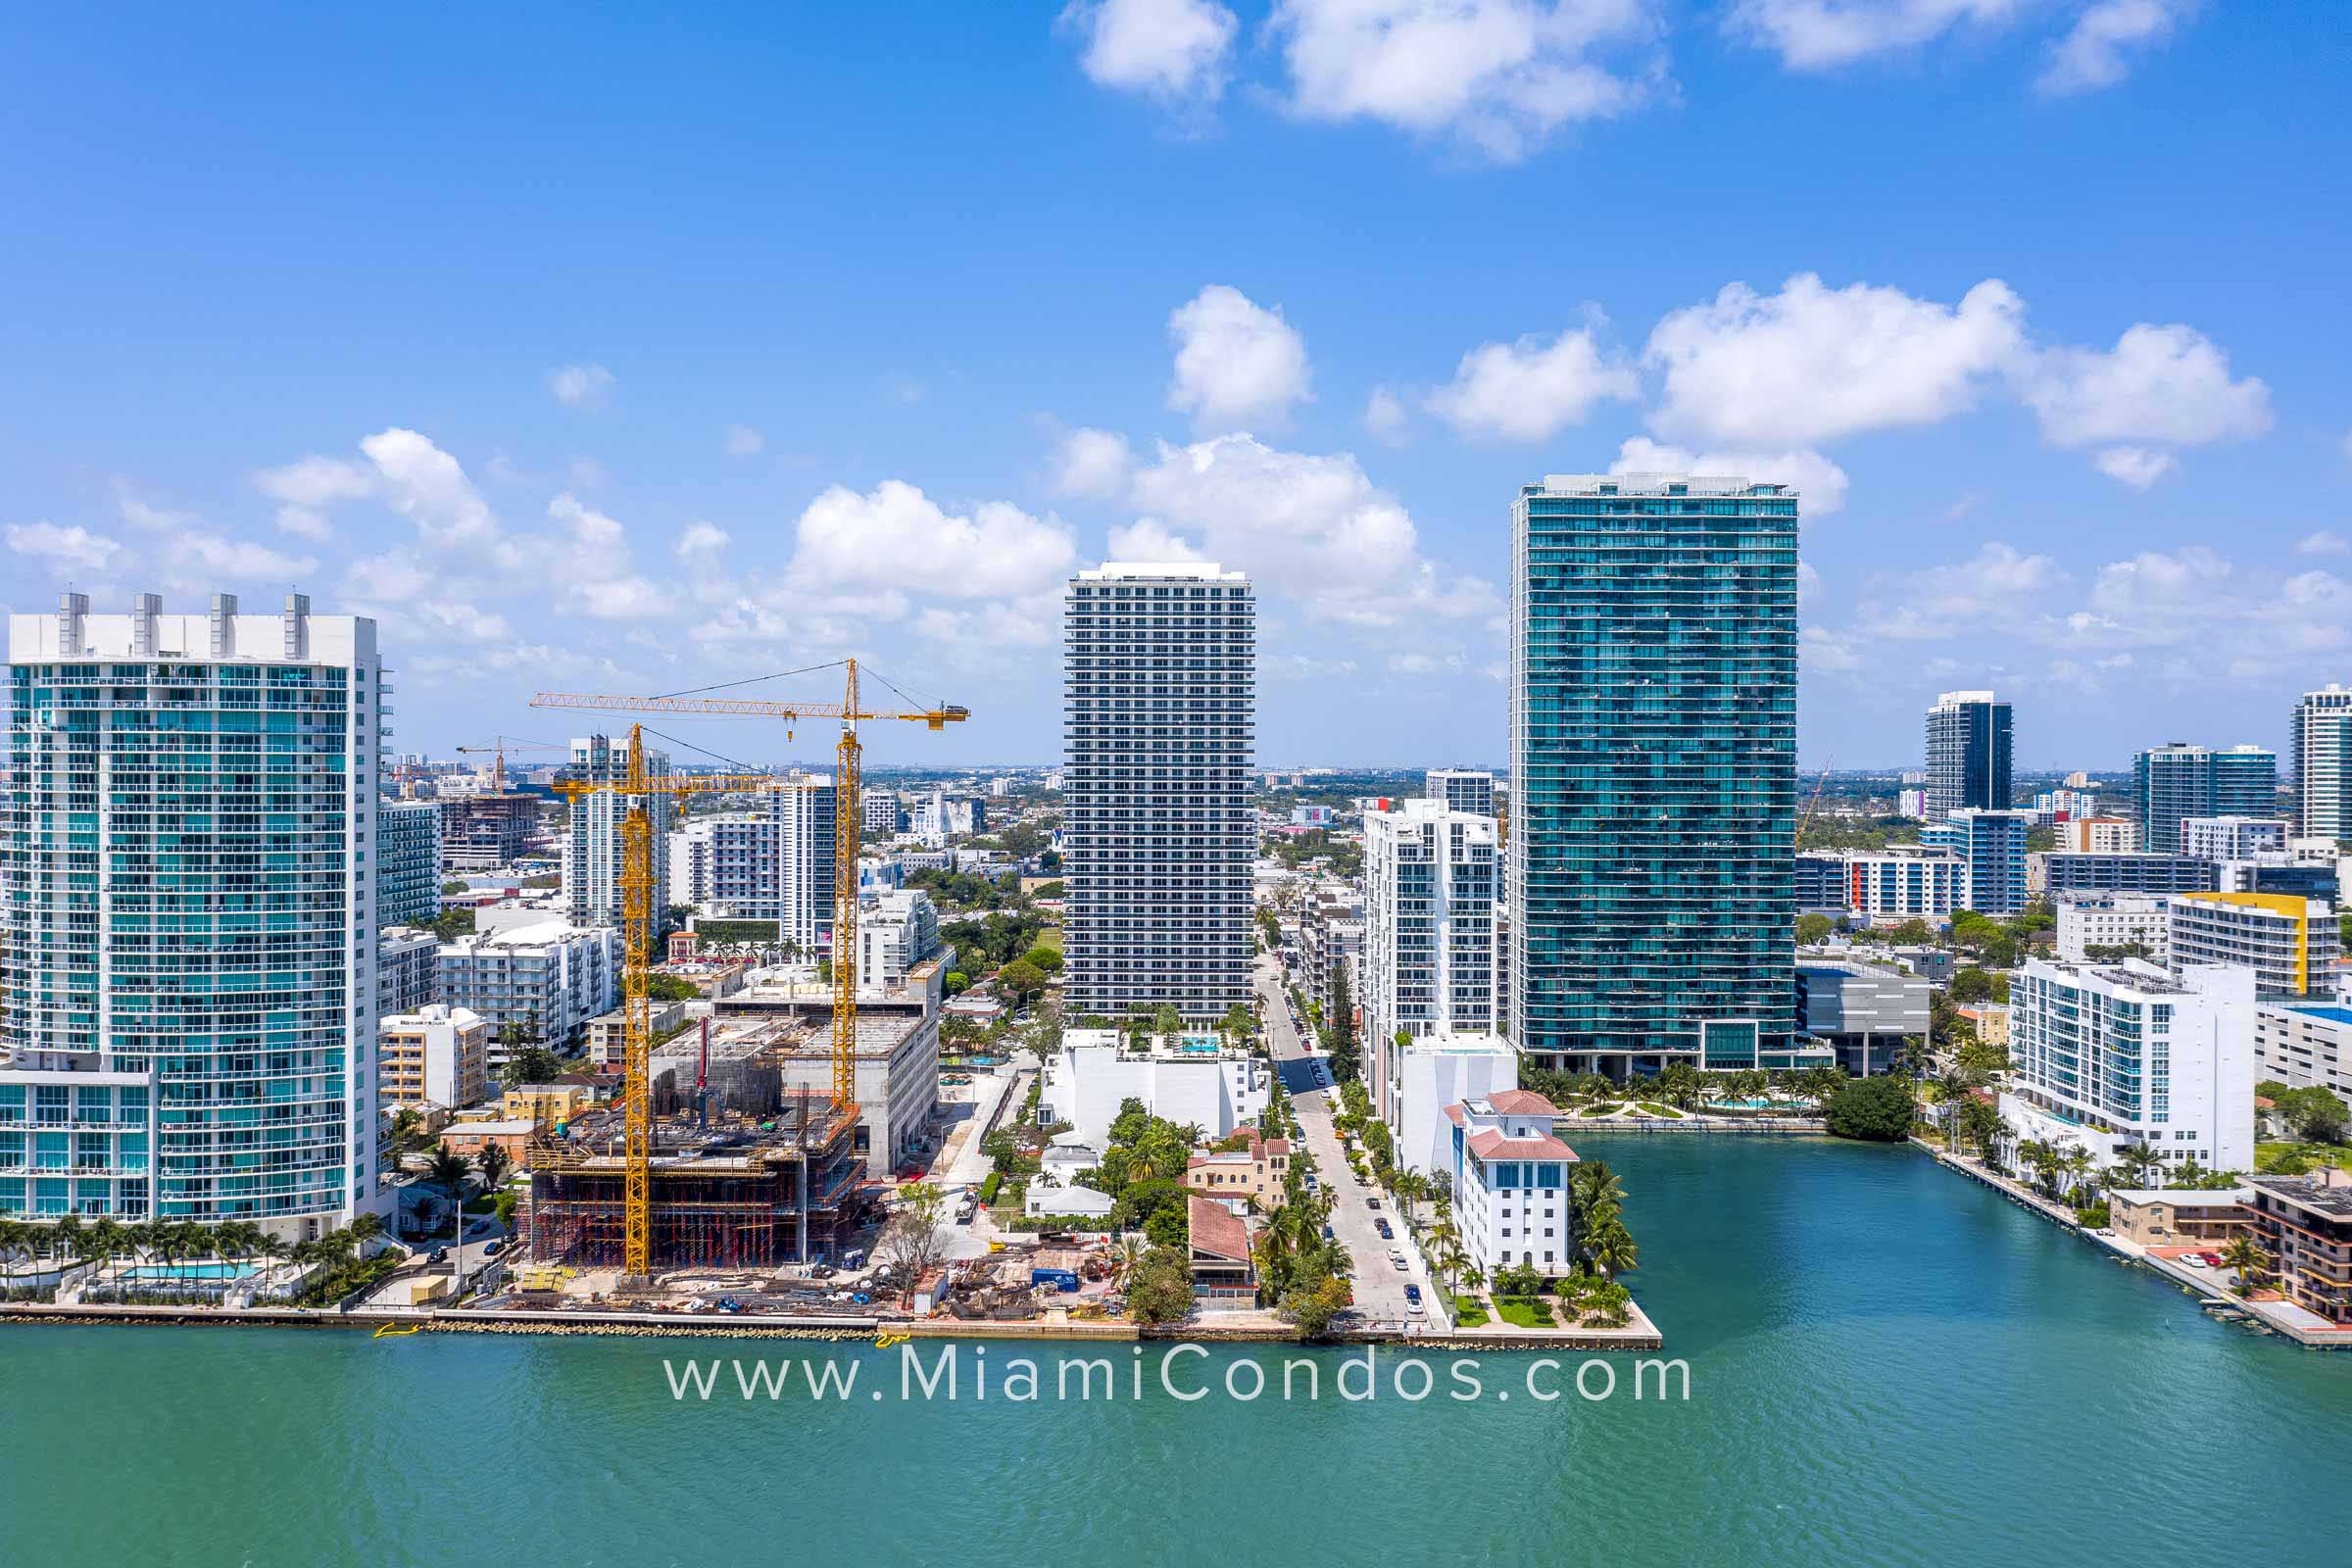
(1379, 1283)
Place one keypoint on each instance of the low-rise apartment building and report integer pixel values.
(1510, 1183)
(2305, 1224)
(436, 1055)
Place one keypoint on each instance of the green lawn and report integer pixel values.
(1597, 1110)
(1050, 937)
(2267, 1155)
(1657, 1110)
(1469, 1316)
(1526, 1314)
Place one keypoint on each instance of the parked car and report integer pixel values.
(1413, 1309)
(1372, 1202)
(2193, 1259)
(2211, 1259)
(1398, 1258)
(440, 1255)
(1387, 1232)
(1412, 1293)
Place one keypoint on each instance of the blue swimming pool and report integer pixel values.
(190, 1271)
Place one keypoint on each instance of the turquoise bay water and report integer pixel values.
(1890, 1364)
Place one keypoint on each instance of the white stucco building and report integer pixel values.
(2088, 920)
(2108, 1056)
(1435, 1071)
(1429, 930)
(1187, 1079)
(1510, 1181)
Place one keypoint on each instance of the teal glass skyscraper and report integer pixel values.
(187, 845)
(1653, 754)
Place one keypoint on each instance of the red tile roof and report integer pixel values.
(1491, 1144)
(1218, 1231)
(1522, 1103)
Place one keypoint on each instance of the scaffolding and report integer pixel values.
(743, 1192)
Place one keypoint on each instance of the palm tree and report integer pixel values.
(2137, 1160)
(492, 1161)
(2247, 1258)
(2078, 1166)
(448, 1170)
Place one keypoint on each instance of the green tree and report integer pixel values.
(1338, 1035)
(494, 1162)
(1159, 1287)
(1310, 1307)
(449, 1170)
(2245, 1258)
(1813, 928)
(1876, 1109)
(1972, 985)
(1024, 982)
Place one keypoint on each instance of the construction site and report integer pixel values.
(733, 1189)
(747, 1171)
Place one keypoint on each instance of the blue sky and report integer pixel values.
(609, 354)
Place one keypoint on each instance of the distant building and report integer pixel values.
(1462, 788)
(435, 1056)
(2232, 838)
(894, 932)
(408, 863)
(1911, 803)
(550, 979)
(2088, 920)
(1968, 747)
(407, 970)
(2173, 783)
(1900, 883)
(1331, 941)
(2322, 759)
(771, 863)
(484, 832)
(1860, 1009)
(1429, 930)
(2140, 872)
(1160, 707)
(1510, 1183)
(2098, 835)
(2305, 1045)
(878, 811)
(2108, 1056)
(2289, 943)
(592, 843)
(1991, 850)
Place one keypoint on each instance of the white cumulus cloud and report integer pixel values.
(1090, 463)
(1531, 390)
(2135, 466)
(745, 442)
(1499, 75)
(1386, 417)
(71, 545)
(2158, 383)
(1170, 49)
(582, 386)
(1812, 364)
(1237, 362)
(1815, 34)
(894, 537)
(2325, 542)
(2096, 51)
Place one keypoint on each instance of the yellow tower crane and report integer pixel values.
(636, 884)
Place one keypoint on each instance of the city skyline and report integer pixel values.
(645, 436)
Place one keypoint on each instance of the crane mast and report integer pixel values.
(637, 905)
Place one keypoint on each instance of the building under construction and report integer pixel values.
(731, 1188)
